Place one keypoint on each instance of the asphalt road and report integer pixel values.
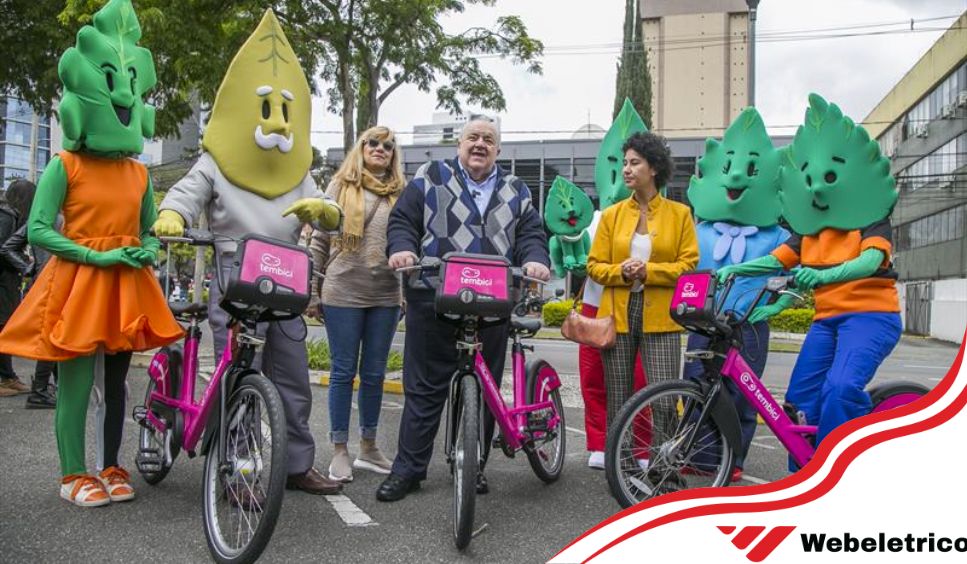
(525, 520)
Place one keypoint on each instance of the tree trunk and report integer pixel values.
(348, 104)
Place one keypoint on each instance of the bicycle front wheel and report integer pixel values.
(466, 458)
(659, 443)
(243, 492)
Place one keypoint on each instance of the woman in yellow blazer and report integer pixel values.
(642, 245)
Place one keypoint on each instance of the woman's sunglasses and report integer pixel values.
(388, 146)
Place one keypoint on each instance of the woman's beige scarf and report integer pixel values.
(353, 204)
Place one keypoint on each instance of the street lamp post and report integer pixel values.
(753, 6)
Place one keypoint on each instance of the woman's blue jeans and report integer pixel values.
(359, 338)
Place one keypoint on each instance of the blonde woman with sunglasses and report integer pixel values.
(360, 295)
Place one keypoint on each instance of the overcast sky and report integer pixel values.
(855, 72)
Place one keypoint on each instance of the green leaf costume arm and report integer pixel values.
(765, 312)
(762, 265)
(860, 267)
(51, 191)
(149, 214)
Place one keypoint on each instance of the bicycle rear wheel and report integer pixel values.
(465, 460)
(894, 394)
(157, 450)
(547, 456)
(656, 444)
(243, 494)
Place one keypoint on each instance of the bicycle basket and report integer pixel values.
(693, 303)
(269, 280)
(473, 284)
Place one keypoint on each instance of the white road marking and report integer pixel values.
(935, 379)
(753, 479)
(576, 431)
(349, 512)
(926, 367)
(760, 445)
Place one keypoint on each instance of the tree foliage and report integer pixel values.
(633, 78)
(362, 50)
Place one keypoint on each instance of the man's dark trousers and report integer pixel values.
(428, 366)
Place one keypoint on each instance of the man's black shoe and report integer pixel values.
(482, 486)
(41, 400)
(395, 488)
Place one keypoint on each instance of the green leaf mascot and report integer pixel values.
(610, 186)
(253, 177)
(837, 195)
(568, 213)
(97, 298)
(735, 196)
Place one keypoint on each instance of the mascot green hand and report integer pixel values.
(567, 213)
(608, 180)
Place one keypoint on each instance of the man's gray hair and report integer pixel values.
(481, 118)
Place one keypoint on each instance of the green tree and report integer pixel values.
(364, 49)
(633, 79)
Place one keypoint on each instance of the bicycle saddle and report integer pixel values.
(525, 325)
(184, 309)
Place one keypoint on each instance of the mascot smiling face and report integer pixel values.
(259, 127)
(833, 174)
(737, 180)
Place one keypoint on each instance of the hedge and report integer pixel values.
(319, 358)
(555, 312)
(796, 320)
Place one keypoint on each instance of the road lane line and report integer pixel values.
(349, 512)
(577, 431)
(753, 479)
(927, 367)
(760, 445)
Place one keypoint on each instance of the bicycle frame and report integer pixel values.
(195, 414)
(512, 421)
(790, 434)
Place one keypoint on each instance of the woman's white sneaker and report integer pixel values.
(596, 460)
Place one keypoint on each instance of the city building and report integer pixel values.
(445, 127)
(25, 141)
(921, 124)
(698, 61)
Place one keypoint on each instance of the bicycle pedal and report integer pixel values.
(139, 414)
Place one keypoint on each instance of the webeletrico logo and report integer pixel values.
(763, 548)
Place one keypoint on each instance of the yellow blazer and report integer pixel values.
(674, 251)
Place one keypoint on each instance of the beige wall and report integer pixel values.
(698, 64)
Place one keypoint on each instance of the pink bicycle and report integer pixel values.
(239, 423)
(684, 434)
(474, 292)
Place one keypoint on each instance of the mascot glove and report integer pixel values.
(143, 255)
(727, 271)
(808, 278)
(169, 224)
(114, 257)
(309, 210)
(763, 313)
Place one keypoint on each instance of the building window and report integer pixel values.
(940, 227)
(937, 168)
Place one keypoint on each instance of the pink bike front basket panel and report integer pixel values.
(692, 290)
(286, 267)
(475, 285)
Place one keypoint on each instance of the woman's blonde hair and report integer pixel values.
(351, 170)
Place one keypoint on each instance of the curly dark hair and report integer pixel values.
(19, 196)
(654, 149)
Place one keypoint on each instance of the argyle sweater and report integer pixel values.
(436, 215)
